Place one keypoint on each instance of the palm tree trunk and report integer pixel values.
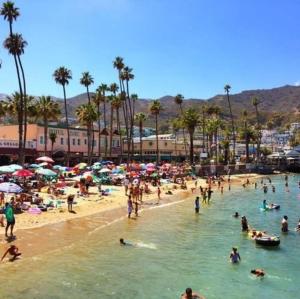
(130, 121)
(258, 137)
(191, 147)
(183, 131)
(232, 125)
(45, 135)
(67, 126)
(176, 155)
(120, 135)
(203, 131)
(141, 143)
(99, 131)
(89, 143)
(52, 144)
(24, 100)
(111, 129)
(156, 128)
(104, 114)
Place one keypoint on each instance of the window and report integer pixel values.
(94, 143)
(78, 141)
(150, 143)
(73, 141)
(166, 143)
(41, 139)
(61, 140)
(85, 141)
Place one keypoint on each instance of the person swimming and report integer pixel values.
(234, 256)
(123, 243)
(189, 294)
(258, 272)
(264, 204)
(236, 215)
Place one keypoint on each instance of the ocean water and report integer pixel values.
(174, 249)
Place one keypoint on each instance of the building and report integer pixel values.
(9, 143)
(169, 148)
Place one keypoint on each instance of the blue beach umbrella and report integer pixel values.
(46, 172)
(10, 188)
(34, 166)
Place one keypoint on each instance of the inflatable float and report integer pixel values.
(268, 241)
(272, 206)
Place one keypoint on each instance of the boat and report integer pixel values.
(268, 241)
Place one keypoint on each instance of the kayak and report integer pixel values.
(267, 240)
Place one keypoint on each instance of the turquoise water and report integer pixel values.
(176, 249)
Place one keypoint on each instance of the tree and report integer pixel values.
(113, 89)
(10, 13)
(191, 121)
(227, 90)
(178, 101)
(176, 126)
(97, 99)
(46, 110)
(102, 90)
(141, 118)
(62, 76)
(117, 104)
(86, 80)
(86, 115)
(255, 103)
(52, 137)
(155, 109)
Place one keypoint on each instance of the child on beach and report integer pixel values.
(13, 251)
(158, 193)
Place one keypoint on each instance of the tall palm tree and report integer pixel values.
(176, 126)
(178, 101)
(103, 88)
(255, 103)
(155, 109)
(62, 76)
(245, 134)
(86, 80)
(191, 121)
(113, 88)
(86, 115)
(46, 109)
(119, 65)
(52, 137)
(97, 100)
(117, 104)
(141, 118)
(10, 13)
(227, 88)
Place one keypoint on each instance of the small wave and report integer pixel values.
(145, 245)
(166, 204)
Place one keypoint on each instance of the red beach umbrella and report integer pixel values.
(23, 173)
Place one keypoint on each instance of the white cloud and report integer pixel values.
(297, 83)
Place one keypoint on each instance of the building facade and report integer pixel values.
(35, 144)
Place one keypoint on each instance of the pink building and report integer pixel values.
(35, 143)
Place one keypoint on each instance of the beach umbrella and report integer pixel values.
(45, 159)
(107, 162)
(96, 166)
(15, 167)
(104, 170)
(23, 173)
(34, 166)
(80, 166)
(150, 165)
(6, 169)
(57, 167)
(46, 172)
(43, 164)
(10, 188)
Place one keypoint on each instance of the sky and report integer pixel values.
(192, 47)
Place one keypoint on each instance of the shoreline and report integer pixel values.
(44, 237)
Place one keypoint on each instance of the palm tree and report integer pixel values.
(86, 80)
(10, 13)
(191, 121)
(119, 65)
(102, 90)
(227, 90)
(246, 134)
(114, 89)
(141, 118)
(86, 115)
(178, 101)
(97, 99)
(62, 76)
(176, 126)
(117, 104)
(46, 109)
(52, 137)
(255, 103)
(155, 109)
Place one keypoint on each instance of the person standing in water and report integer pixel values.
(284, 224)
(189, 294)
(234, 256)
(129, 206)
(244, 223)
(197, 205)
(209, 192)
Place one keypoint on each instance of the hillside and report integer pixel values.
(284, 100)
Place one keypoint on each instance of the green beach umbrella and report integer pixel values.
(46, 172)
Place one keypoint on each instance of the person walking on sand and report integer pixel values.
(136, 208)
(70, 200)
(158, 193)
(13, 251)
(129, 206)
(10, 219)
